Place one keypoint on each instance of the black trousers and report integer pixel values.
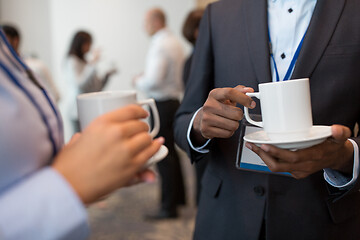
(172, 183)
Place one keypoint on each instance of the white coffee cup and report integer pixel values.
(92, 105)
(285, 109)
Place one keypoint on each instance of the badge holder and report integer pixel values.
(247, 159)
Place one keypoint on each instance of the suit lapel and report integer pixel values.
(255, 14)
(322, 25)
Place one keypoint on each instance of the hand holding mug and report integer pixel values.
(219, 117)
(109, 154)
(93, 105)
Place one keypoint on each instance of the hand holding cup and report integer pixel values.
(109, 153)
(219, 117)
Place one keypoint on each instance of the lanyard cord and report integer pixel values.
(31, 77)
(30, 97)
(292, 63)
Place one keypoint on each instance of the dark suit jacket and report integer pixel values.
(186, 71)
(232, 49)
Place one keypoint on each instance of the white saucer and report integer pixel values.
(317, 135)
(160, 155)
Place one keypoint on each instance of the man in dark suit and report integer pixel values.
(232, 52)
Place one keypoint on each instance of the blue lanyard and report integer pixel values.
(292, 63)
(30, 97)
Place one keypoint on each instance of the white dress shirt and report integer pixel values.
(288, 21)
(35, 201)
(162, 78)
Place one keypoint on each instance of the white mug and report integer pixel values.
(92, 105)
(285, 109)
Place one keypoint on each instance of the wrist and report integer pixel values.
(346, 165)
(197, 138)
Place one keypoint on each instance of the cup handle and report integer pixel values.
(246, 111)
(155, 114)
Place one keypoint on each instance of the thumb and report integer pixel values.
(340, 133)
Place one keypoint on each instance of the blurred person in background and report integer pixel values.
(45, 186)
(37, 66)
(190, 32)
(162, 81)
(81, 74)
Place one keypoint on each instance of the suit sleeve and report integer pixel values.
(200, 83)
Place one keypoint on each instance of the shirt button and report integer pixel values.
(283, 55)
(259, 191)
(290, 10)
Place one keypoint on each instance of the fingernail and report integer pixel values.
(253, 104)
(248, 145)
(150, 180)
(265, 148)
(150, 177)
(161, 140)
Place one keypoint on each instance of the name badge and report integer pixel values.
(247, 159)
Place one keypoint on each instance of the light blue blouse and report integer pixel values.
(35, 201)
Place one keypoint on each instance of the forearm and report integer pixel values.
(346, 159)
(49, 203)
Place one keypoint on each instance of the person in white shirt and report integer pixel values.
(45, 186)
(162, 80)
(81, 75)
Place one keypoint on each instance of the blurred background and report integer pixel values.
(46, 28)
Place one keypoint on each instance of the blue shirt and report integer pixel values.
(36, 202)
(288, 21)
